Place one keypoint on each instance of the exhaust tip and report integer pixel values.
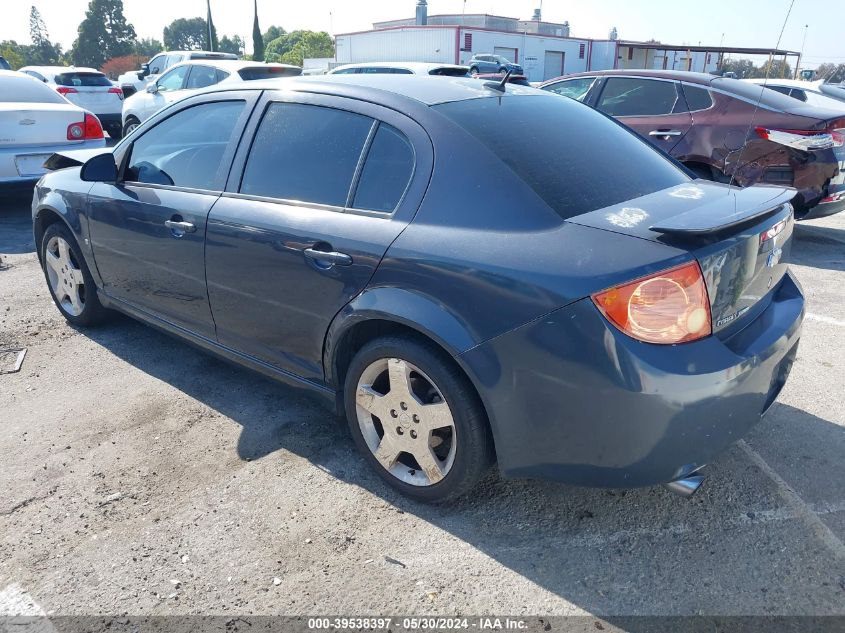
(687, 486)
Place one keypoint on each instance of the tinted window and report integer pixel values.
(798, 94)
(784, 90)
(754, 92)
(573, 88)
(449, 72)
(186, 149)
(157, 64)
(82, 79)
(697, 98)
(173, 79)
(221, 75)
(576, 159)
(268, 72)
(25, 89)
(201, 77)
(390, 163)
(631, 96)
(32, 73)
(345, 71)
(307, 153)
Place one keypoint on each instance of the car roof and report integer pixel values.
(420, 67)
(58, 70)
(812, 86)
(677, 75)
(388, 89)
(232, 65)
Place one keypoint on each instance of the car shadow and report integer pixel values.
(731, 548)
(818, 247)
(16, 222)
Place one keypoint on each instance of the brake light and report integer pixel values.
(776, 230)
(87, 129)
(806, 140)
(116, 91)
(668, 307)
(65, 90)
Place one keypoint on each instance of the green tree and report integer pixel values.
(831, 73)
(743, 68)
(257, 39)
(272, 33)
(234, 45)
(185, 34)
(293, 47)
(774, 69)
(147, 47)
(103, 34)
(14, 53)
(213, 45)
(42, 52)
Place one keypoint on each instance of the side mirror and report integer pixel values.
(152, 88)
(100, 168)
(145, 70)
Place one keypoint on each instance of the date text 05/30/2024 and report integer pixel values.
(418, 623)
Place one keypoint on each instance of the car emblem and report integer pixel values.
(27, 122)
(774, 257)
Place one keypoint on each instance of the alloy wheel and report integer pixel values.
(406, 422)
(65, 276)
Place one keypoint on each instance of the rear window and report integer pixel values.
(753, 92)
(26, 89)
(449, 72)
(267, 72)
(82, 79)
(576, 159)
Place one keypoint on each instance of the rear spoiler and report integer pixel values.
(73, 158)
(717, 216)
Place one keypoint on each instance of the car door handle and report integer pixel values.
(331, 257)
(665, 133)
(180, 227)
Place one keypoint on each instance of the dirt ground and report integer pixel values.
(140, 476)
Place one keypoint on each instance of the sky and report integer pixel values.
(756, 24)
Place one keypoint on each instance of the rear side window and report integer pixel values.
(25, 89)
(186, 149)
(798, 94)
(201, 77)
(697, 98)
(307, 153)
(631, 96)
(387, 171)
(82, 79)
(573, 88)
(574, 158)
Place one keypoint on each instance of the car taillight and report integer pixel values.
(64, 90)
(773, 232)
(87, 129)
(116, 91)
(668, 307)
(806, 140)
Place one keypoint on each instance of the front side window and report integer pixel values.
(201, 77)
(172, 80)
(573, 88)
(387, 171)
(632, 96)
(156, 65)
(186, 149)
(305, 153)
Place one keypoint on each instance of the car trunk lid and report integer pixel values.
(34, 124)
(739, 237)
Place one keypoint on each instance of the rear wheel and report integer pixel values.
(115, 131)
(416, 419)
(474, 71)
(69, 279)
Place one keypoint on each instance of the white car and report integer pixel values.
(137, 80)
(402, 68)
(35, 122)
(809, 92)
(182, 79)
(86, 87)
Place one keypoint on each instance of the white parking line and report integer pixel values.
(16, 603)
(796, 503)
(824, 319)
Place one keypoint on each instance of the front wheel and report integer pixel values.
(417, 419)
(130, 125)
(69, 279)
(474, 71)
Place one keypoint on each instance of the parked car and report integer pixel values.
(184, 78)
(483, 64)
(808, 92)
(606, 331)
(837, 91)
(401, 68)
(519, 80)
(4, 65)
(35, 122)
(86, 87)
(714, 126)
(137, 80)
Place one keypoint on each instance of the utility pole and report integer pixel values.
(801, 54)
(208, 24)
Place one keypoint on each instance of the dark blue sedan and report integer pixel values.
(587, 312)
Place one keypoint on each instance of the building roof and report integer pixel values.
(706, 49)
(417, 68)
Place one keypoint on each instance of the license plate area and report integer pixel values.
(31, 164)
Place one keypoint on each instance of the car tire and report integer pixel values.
(430, 409)
(474, 71)
(503, 71)
(130, 125)
(68, 278)
(115, 132)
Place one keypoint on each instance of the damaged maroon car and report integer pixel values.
(725, 129)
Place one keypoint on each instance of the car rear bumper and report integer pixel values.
(573, 399)
(22, 164)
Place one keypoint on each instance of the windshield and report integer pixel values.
(25, 89)
(576, 159)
